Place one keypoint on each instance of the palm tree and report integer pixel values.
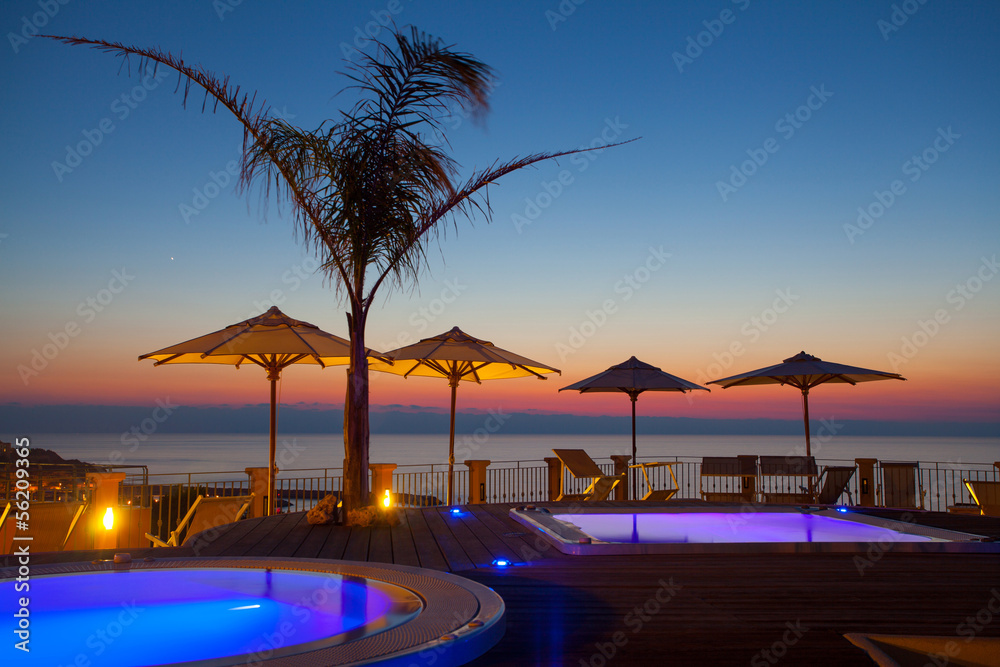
(369, 190)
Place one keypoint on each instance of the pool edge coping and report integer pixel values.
(455, 647)
(572, 541)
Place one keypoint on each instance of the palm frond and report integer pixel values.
(282, 172)
(470, 199)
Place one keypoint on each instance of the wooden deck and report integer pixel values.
(688, 609)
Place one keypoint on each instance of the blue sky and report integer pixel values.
(868, 100)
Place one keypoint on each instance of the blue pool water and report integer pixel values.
(145, 617)
(718, 527)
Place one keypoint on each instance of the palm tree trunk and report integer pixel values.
(356, 415)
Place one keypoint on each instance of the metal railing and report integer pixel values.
(934, 486)
(301, 492)
(517, 482)
(60, 482)
(168, 496)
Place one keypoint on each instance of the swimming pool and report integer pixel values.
(753, 528)
(207, 612)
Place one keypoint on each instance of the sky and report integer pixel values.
(803, 176)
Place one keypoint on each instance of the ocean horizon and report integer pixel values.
(214, 452)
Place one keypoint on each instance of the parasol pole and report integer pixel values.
(633, 396)
(272, 374)
(805, 418)
(453, 381)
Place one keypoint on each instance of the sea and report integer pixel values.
(211, 453)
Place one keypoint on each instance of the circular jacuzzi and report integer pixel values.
(236, 611)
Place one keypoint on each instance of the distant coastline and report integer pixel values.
(21, 419)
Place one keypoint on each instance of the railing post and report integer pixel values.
(621, 466)
(555, 476)
(258, 487)
(477, 481)
(105, 496)
(866, 482)
(381, 479)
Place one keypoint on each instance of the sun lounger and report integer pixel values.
(733, 479)
(658, 495)
(835, 481)
(6, 531)
(901, 487)
(581, 466)
(788, 479)
(986, 495)
(203, 514)
(927, 649)
(50, 525)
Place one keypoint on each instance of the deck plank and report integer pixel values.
(504, 528)
(208, 544)
(721, 608)
(424, 542)
(336, 541)
(404, 552)
(247, 543)
(452, 549)
(293, 538)
(474, 548)
(276, 536)
(380, 545)
(357, 544)
(313, 542)
(494, 544)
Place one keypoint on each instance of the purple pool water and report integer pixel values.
(712, 527)
(176, 615)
